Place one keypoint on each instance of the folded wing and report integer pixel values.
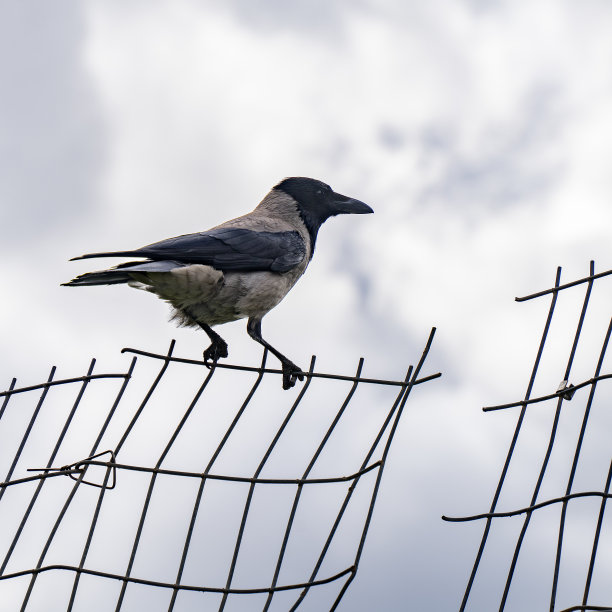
(226, 249)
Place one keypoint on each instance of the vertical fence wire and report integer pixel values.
(300, 487)
(207, 469)
(513, 443)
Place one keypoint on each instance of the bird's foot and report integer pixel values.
(214, 352)
(291, 373)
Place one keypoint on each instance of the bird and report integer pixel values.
(239, 269)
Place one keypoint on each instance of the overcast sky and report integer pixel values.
(478, 131)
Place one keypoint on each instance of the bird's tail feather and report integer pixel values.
(108, 254)
(122, 273)
(106, 277)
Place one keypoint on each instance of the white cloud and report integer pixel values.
(478, 133)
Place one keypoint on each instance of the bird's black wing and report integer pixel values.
(227, 249)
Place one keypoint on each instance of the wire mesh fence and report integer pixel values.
(169, 486)
(551, 550)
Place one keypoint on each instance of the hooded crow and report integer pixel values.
(240, 269)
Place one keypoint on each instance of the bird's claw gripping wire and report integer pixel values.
(214, 352)
(291, 374)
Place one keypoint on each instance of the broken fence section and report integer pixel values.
(578, 438)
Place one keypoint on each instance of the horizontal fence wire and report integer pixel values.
(263, 370)
(563, 394)
(102, 468)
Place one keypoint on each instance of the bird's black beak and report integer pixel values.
(343, 205)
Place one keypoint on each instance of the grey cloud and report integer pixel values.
(51, 132)
(311, 17)
(509, 164)
(391, 137)
(484, 6)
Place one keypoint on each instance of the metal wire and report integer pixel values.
(564, 393)
(86, 471)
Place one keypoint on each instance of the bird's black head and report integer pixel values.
(317, 202)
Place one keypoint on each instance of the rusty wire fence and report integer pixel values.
(551, 550)
(169, 486)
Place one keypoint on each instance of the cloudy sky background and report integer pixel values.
(478, 131)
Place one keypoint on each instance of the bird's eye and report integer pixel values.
(319, 191)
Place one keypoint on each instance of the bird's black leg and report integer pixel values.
(291, 372)
(217, 348)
